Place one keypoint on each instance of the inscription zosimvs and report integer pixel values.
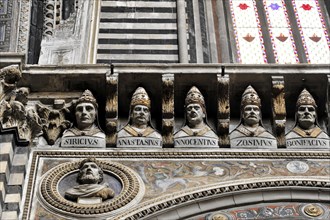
(139, 142)
(308, 143)
(194, 142)
(83, 141)
(253, 142)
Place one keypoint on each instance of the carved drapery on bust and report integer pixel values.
(250, 133)
(306, 132)
(139, 131)
(90, 188)
(86, 131)
(195, 132)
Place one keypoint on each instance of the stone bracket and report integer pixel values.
(14, 114)
(111, 108)
(223, 110)
(168, 109)
(278, 110)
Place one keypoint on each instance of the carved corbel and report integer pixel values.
(168, 110)
(223, 110)
(111, 109)
(13, 111)
(278, 110)
(328, 105)
(53, 121)
(9, 76)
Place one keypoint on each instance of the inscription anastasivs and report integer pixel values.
(139, 142)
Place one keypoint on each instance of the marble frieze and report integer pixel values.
(126, 182)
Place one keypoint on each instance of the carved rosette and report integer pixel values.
(313, 210)
(223, 110)
(132, 191)
(219, 216)
(111, 108)
(168, 109)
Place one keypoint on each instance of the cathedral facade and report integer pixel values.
(164, 109)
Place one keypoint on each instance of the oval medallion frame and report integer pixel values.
(132, 190)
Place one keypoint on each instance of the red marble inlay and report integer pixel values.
(243, 6)
(307, 7)
(249, 38)
(315, 38)
(282, 37)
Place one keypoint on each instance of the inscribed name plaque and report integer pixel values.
(139, 142)
(193, 142)
(83, 141)
(255, 142)
(308, 143)
(89, 201)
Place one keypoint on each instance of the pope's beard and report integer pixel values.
(89, 179)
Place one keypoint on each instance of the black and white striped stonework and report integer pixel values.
(137, 31)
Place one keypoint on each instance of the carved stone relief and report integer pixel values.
(21, 114)
(103, 188)
(53, 124)
(90, 190)
(196, 132)
(139, 131)
(307, 133)
(14, 114)
(250, 133)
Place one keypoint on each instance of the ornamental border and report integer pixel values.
(172, 154)
(161, 154)
(51, 198)
(158, 205)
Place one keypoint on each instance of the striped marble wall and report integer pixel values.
(212, 31)
(137, 31)
(13, 165)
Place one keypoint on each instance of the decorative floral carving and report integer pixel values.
(53, 122)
